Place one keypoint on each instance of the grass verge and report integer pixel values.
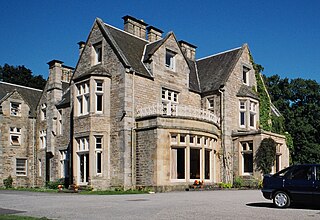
(18, 217)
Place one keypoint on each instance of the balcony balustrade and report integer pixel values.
(177, 111)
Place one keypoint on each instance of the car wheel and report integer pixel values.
(281, 199)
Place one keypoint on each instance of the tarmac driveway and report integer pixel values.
(220, 204)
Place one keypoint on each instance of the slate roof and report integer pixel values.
(214, 71)
(65, 100)
(193, 77)
(206, 74)
(131, 47)
(246, 91)
(30, 95)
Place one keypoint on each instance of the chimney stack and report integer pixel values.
(188, 49)
(154, 34)
(135, 26)
(81, 46)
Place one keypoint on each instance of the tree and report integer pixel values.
(299, 102)
(22, 76)
(266, 155)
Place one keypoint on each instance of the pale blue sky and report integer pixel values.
(283, 36)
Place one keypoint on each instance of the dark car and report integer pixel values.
(297, 183)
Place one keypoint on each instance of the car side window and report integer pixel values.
(317, 173)
(301, 173)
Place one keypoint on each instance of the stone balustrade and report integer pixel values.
(177, 111)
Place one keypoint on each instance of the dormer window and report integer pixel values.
(97, 53)
(170, 60)
(15, 109)
(245, 75)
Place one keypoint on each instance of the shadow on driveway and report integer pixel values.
(293, 206)
(9, 211)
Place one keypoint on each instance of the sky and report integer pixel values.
(283, 35)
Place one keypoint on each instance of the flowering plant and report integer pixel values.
(198, 182)
(60, 187)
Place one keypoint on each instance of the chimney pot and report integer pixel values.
(154, 34)
(135, 26)
(188, 49)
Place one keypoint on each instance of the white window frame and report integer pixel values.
(15, 134)
(99, 151)
(170, 59)
(245, 75)
(99, 94)
(97, 53)
(63, 163)
(21, 169)
(245, 150)
(15, 108)
(211, 103)
(253, 113)
(43, 111)
(242, 111)
(83, 150)
(43, 139)
(169, 101)
(206, 144)
(59, 127)
(39, 167)
(83, 98)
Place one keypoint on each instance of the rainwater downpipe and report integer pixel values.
(222, 125)
(133, 139)
(34, 154)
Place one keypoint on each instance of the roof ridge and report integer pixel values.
(118, 29)
(25, 87)
(227, 51)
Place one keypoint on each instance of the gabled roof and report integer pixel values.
(246, 91)
(131, 47)
(214, 71)
(65, 100)
(29, 95)
(193, 77)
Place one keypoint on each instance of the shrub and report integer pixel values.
(225, 185)
(8, 182)
(266, 155)
(238, 182)
(55, 184)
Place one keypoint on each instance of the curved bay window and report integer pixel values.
(191, 157)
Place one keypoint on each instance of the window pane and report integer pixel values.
(99, 102)
(194, 163)
(98, 162)
(252, 119)
(248, 163)
(178, 163)
(242, 118)
(207, 164)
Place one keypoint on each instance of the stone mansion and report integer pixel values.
(138, 110)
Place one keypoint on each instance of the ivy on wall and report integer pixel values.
(269, 121)
(265, 109)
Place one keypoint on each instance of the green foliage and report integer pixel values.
(17, 217)
(299, 102)
(265, 110)
(8, 182)
(22, 76)
(238, 182)
(225, 185)
(266, 155)
(54, 184)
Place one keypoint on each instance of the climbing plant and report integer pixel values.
(266, 155)
(265, 110)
